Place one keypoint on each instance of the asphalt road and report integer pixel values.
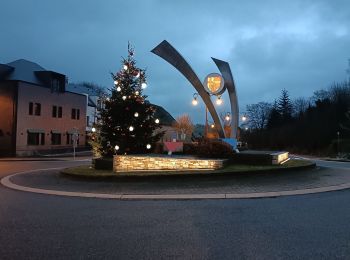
(34, 226)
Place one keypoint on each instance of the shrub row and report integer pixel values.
(209, 149)
(105, 163)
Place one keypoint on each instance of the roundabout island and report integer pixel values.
(296, 177)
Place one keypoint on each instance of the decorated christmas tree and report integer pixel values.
(127, 124)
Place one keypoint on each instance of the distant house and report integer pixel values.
(37, 113)
(166, 121)
(94, 101)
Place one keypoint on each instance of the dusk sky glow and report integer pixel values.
(301, 46)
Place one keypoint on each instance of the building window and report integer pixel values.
(59, 112)
(37, 109)
(36, 139)
(30, 108)
(55, 85)
(75, 113)
(69, 138)
(54, 111)
(55, 139)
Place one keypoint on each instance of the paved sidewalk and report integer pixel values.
(234, 184)
(49, 158)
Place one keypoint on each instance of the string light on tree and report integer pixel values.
(135, 128)
(148, 146)
(116, 147)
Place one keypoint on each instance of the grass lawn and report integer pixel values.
(89, 171)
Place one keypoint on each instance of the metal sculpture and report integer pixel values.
(166, 51)
(225, 71)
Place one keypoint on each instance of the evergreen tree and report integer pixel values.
(285, 107)
(274, 119)
(127, 123)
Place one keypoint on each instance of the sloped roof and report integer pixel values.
(164, 116)
(91, 103)
(24, 71)
(81, 89)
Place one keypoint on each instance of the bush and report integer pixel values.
(214, 149)
(158, 148)
(252, 159)
(103, 163)
(190, 148)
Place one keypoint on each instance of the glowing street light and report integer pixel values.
(195, 101)
(227, 117)
(219, 100)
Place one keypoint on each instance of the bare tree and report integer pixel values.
(184, 126)
(300, 105)
(258, 115)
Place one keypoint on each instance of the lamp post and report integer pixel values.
(338, 142)
(195, 103)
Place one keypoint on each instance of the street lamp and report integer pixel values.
(219, 100)
(194, 100)
(338, 133)
(228, 116)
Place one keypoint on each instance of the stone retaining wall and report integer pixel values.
(122, 163)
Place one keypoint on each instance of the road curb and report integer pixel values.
(6, 181)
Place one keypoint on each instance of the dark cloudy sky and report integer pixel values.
(298, 45)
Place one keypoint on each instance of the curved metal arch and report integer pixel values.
(226, 73)
(167, 52)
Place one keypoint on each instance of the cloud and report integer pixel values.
(270, 45)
